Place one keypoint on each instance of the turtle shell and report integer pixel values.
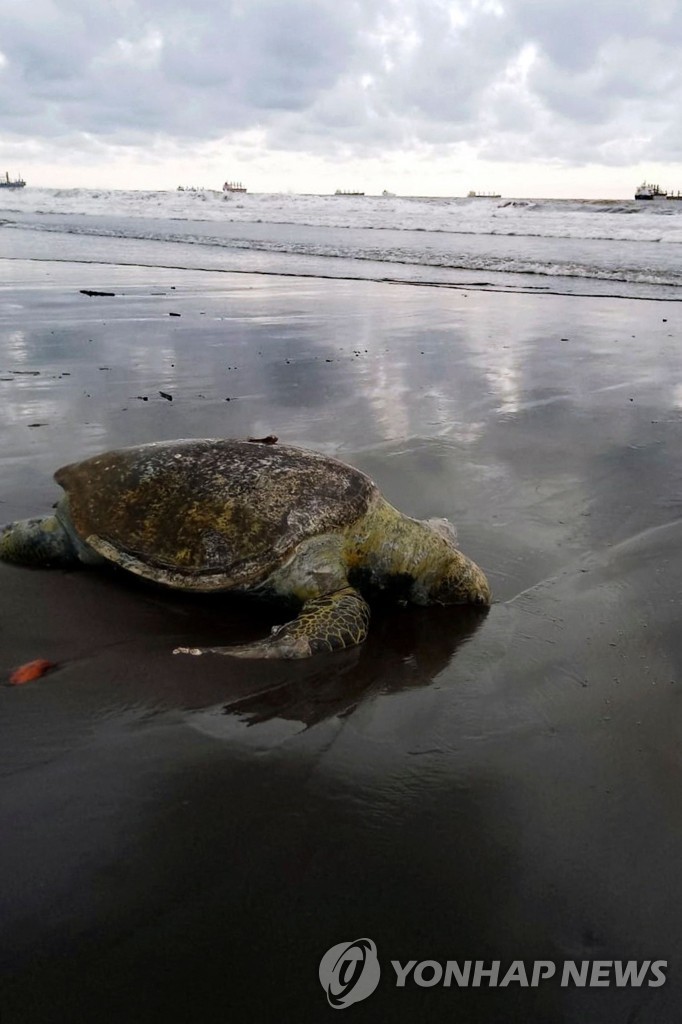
(201, 509)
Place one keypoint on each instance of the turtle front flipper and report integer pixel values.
(325, 624)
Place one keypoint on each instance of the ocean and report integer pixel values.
(617, 248)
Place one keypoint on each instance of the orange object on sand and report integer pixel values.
(30, 671)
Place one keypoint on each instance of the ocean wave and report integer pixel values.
(405, 256)
(628, 247)
(606, 220)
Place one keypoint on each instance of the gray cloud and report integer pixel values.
(530, 79)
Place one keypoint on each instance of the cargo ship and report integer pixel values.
(648, 191)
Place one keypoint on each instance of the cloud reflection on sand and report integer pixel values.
(476, 381)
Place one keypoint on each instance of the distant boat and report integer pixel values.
(233, 186)
(191, 188)
(649, 191)
(344, 192)
(388, 195)
(12, 183)
(675, 195)
(483, 195)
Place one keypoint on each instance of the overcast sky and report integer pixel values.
(525, 97)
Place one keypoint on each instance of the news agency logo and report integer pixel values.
(349, 972)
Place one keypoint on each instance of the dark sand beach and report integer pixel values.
(183, 839)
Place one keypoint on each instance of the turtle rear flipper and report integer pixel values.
(40, 542)
(325, 624)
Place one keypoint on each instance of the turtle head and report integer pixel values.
(459, 582)
(37, 542)
(451, 577)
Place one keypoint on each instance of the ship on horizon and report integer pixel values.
(12, 182)
(648, 191)
(233, 186)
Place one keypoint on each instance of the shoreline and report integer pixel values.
(464, 286)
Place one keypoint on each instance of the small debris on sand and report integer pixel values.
(30, 671)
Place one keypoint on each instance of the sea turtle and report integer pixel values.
(269, 520)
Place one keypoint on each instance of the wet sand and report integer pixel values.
(184, 838)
